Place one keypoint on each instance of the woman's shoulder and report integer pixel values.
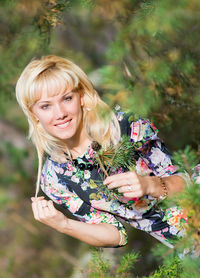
(52, 165)
(196, 174)
(137, 128)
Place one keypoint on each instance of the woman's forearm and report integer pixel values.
(93, 234)
(174, 184)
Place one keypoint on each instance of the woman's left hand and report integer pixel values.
(129, 183)
(45, 212)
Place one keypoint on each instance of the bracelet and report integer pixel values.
(122, 240)
(164, 188)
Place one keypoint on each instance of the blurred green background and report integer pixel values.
(142, 55)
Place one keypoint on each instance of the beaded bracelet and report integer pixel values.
(122, 240)
(164, 188)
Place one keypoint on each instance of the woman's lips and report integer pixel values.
(64, 124)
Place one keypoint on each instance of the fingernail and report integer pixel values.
(32, 199)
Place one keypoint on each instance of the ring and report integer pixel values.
(44, 205)
(129, 188)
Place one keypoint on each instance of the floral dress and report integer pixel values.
(77, 187)
(196, 174)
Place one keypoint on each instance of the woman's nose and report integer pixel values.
(60, 111)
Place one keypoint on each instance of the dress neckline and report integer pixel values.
(88, 154)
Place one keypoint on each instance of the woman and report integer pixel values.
(65, 116)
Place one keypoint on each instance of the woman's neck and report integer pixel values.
(79, 149)
(79, 144)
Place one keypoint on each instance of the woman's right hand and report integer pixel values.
(102, 234)
(45, 212)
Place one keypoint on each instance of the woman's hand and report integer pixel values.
(129, 183)
(45, 212)
(134, 186)
(102, 234)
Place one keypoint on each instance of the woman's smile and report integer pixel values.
(64, 124)
(60, 115)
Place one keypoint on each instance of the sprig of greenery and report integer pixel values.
(100, 267)
(172, 270)
(126, 265)
(113, 158)
(186, 159)
(110, 194)
(121, 155)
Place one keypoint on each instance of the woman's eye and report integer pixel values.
(44, 107)
(68, 98)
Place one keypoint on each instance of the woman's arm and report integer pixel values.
(94, 234)
(155, 173)
(133, 185)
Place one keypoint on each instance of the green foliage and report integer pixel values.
(191, 194)
(127, 264)
(173, 270)
(190, 268)
(100, 267)
(4, 198)
(187, 248)
(121, 155)
(50, 16)
(151, 60)
(88, 3)
(17, 157)
(147, 54)
(186, 159)
(111, 159)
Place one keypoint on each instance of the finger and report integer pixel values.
(41, 205)
(46, 212)
(123, 182)
(33, 199)
(134, 194)
(120, 176)
(35, 210)
(52, 210)
(126, 189)
(44, 203)
(51, 206)
(114, 177)
(119, 183)
(45, 208)
(130, 186)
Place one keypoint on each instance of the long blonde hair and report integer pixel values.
(54, 75)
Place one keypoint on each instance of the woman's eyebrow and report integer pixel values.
(49, 101)
(43, 101)
(69, 92)
(66, 94)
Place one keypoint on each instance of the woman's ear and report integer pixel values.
(35, 117)
(82, 99)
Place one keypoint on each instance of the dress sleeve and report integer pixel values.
(196, 174)
(98, 217)
(58, 193)
(153, 158)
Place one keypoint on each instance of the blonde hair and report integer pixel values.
(54, 75)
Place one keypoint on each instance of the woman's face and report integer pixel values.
(60, 115)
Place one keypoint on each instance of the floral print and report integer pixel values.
(80, 191)
(177, 219)
(196, 174)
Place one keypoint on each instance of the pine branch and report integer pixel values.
(127, 263)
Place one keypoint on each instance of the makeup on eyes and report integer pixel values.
(46, 103)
